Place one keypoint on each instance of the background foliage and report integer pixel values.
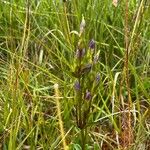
(38, 44)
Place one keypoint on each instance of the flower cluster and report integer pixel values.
(85, 64)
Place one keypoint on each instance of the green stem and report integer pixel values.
(80, 105)
(83, 139)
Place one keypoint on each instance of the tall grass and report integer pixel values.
(95, 105)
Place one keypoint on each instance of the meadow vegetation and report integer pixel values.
(75, 75)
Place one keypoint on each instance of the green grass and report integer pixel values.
(38, 44)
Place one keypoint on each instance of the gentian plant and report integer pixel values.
(86, 82)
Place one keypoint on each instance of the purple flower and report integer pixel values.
(77, 86)
(80, 53)
(88, 95)
(97, 78)
(92, 44)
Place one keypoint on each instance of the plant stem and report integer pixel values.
(83, 138)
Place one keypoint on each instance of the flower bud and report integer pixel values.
(92, 44)
(77, 86)
(88, 95)
(86, 69)
(97, 78)
(82, 25)
(80, 53)
(96, 58)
